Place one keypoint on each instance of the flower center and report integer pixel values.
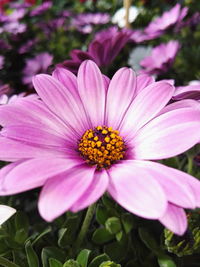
(102, 146)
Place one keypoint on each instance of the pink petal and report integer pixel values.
(11, 150)
(176, 184)
(26, 111)
(33, 173)
(186, 103)
(92, 90)
(136, 190)
(33, 135)
(68, 79)
(94, 191)
(145, 106)
(61, 102)
(143, 80)
(120, 94)
(167, 135)
(60, 193)
(174, 219)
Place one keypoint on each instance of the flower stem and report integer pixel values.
(85, 225)
(127, 5)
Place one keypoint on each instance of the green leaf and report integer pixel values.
(82, 257)
(20, 236)
(52, 252)
(113, 225)
(6, 263)
(71, 263)
(166, 261)
(54, 263)
(101, 214)
(45, 232)
(21, 221)
(98, 260)
(127, 222)
(101, 236)
(62, 237)
(148, 240)
(116, 251)
(32, 257)
(109, 264)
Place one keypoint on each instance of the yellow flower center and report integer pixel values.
(101, 146)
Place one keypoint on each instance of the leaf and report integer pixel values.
(54, 263)
(116, 251)
(113, 225)
(98, 260)
(148, 240)
(21, 236)
(166, 261)
(101, 236)
(6, 263)
(21, 221)
(32, 257)
(101, 214)
(46, 231)
(127, 222)
(82, 257)
(51, 252)
(71, 263)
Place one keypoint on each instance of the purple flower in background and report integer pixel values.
(103, 49)
(84, 22)
(88, 135)
(169, 18)
(14, 27)
(192, 91)
(26, 47)
(36, 65)
(39, 10)
(161, 58)
(1, 62)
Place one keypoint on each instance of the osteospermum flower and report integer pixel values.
(88, 135)
(169, 18)
(161, 58)
(192, 90)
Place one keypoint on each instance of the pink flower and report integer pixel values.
(1, 62)
(35, 65)
(169, 18)
(161, 58)
(106, 45)
(192, 90)
(84, 22)
(88, 135)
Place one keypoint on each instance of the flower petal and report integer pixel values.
(61, 102)
(136, 190)
(120, 94)
(94, 191)
(12, 150)
(92, 90)
(29, 112)
(5, 213)
(145, 106)
(61, 192)
(143, 80)
(176, 184)
(174, 219)
(33, 173)
(68, 79)
(167, 135)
